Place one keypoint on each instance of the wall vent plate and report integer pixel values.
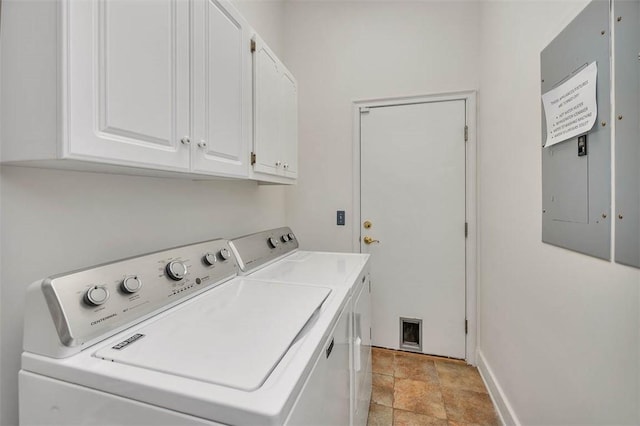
(411, 334)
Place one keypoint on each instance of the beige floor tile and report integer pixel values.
(427, 390)
(407, 418)
(468, 407)
(415, 367)
(379, 415)
(419, 397)
(382, 392)
(382, 360)
(383, 381)
(456, 375)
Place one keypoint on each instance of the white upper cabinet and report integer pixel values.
(289, 129)
(127, 82)
(221, 89)
(163, 85)
(275, 118)
(267, 115)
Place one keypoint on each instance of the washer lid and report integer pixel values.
(316, 268)
(233, 335)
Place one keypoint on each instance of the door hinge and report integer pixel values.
(466, 133)
(369, 286)
(370, 336)
(466, 229)
(253, 158)
(466, 327)
(253, 46)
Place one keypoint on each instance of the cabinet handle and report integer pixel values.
(185, 140)
(278, 163)
(286, 166)
(202, 144)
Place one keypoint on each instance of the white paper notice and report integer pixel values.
(571, 108)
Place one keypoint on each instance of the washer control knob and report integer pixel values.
(176, 270)
(284, 238)
(273, 243)
(291, 236)
(209, 259)
(96, 295)
(224, 254)
(131, 284)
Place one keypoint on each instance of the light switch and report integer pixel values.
(340, 218)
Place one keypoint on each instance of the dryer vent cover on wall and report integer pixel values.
(411, 334)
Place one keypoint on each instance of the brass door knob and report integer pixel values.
(367, 224)
(369, 240)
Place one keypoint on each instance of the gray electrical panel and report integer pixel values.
(576, 173)
(627, 116)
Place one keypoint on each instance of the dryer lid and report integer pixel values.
(316, 268)
(233, 335)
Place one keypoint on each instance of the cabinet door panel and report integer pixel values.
(222, 89)
(289, 127)
(128, 82)
(267, 111)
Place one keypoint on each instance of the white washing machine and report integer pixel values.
(273, 256)
(175, 337)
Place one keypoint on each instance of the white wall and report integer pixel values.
(55, 221)
(267, 18)
(558, 329)
(346, 51)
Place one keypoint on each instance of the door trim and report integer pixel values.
(471, 302)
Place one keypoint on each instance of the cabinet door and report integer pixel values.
(126, 91)
(267, 110)
(289, 126)
(221, 89)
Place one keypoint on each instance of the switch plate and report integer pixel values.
(340, 218)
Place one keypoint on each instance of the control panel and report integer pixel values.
(89, 303)
(255, 250)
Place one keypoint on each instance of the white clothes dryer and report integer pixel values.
(274, 256)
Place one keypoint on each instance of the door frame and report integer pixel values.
(471, 182)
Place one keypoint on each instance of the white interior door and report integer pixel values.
(413, 194)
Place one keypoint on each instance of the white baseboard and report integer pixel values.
(500, 401)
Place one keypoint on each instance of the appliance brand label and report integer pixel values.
(127, 342)
(103, 319)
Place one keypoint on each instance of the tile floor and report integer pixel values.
(414, 389)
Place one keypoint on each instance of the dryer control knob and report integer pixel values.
(96, 296)
(291, 236)
(131, 284)
(273, 243)
(176, 270)
(224, 254)
(284, 238)
(209, 259)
